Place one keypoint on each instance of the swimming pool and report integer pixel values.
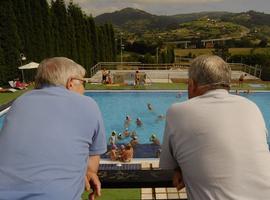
(116, 105)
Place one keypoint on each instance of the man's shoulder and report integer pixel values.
(56, 94)
(181, 107)
(243, 100)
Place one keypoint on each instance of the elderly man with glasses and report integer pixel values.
(216, 141)
(52, 137)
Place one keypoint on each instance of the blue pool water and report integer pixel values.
(1, 121)
(115, 106)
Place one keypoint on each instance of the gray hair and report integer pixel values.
(56, 71)
(210, 70)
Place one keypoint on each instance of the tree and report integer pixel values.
(37, 34)
(94, 39)
(21, 23)
(47, 27)
(167, 56)
(9, 41)
(101, 46)
(222, 51)
(38, 30)
(60, 27)
(2, 68)
(263, 42)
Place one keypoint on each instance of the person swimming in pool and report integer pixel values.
(127, 121)
(139, 122)
(149, 106)
(153, 138)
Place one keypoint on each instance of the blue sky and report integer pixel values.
(170, 7)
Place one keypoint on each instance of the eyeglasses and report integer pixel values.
(82, 80)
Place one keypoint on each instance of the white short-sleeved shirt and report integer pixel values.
(219, 141)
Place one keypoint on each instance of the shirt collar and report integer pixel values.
(216, 92)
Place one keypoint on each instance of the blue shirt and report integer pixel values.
(45, 142)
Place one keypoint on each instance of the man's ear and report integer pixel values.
(193, 85)
(69, 84)
(192, 88)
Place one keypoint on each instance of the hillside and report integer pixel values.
(135, 20)
(248, 19)
(200, 29)
(258, 23)
(138, 24)
(182, 18)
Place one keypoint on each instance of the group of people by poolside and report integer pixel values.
(106, 77)
(124, 153)
(215, 143)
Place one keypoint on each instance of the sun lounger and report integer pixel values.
(4, 90)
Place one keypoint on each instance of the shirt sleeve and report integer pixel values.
(167, 160)
(99, 145)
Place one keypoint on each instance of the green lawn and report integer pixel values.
(6, 97)
(115, 194)
(154, 86)
(233, 51)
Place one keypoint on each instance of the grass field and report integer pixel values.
(115, 194)
(233, 51)
(6, 97)
(154, 86)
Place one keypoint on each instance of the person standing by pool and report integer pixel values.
(104, 76)
(113, 138)
(241, 79)
(216, 141)
(127, 155)
(113, 153)
(137, 78)
(109, 77)
(52, 137)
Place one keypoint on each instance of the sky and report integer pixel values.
(171, 7)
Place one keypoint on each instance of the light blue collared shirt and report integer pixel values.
(45, 142)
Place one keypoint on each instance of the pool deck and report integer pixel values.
(166, 76)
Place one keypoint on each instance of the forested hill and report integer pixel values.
(38, 31)
(135, 20)
(248, 19)
(130, 19)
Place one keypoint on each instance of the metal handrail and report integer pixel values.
(149, 78)
(254, 70)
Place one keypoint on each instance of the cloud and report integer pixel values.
(169, 7)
